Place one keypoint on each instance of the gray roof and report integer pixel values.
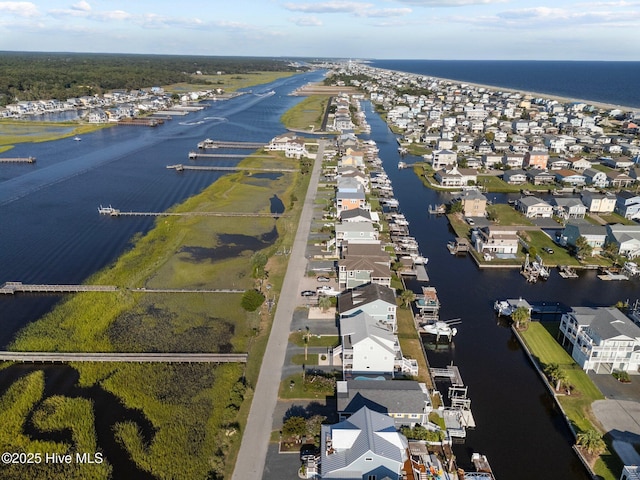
(373, 432)
(363, 295)
(586, 228)
(362, 326)
(568, 202)
(395, 396)
(606, 322)
(530, 201)
(355, 212)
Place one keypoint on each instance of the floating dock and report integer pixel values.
(18, 160)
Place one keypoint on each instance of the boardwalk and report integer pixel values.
(180, 167)
(11, 288)
(57, 357)
(255, 441)
(114, 212)
(195, 155)
(17, 159)
(208, 143)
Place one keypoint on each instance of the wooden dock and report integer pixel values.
(63, 357)
(18, 160)
(208, 143)
(180, 167)
(141, 122)
(114, 212)
(196, 155)
(11, 288)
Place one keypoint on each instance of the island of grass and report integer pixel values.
(189, 417)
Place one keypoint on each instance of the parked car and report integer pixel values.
(307, 293)
(470, 221)
(308, 450)
(323, 279)
(548, 250)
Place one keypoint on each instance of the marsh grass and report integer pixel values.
(196, 416)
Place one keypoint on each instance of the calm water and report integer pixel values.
(51, 232)
(617, 83)
(518, 427)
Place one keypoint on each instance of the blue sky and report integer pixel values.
(422, 29)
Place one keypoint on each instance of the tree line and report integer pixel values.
(28, 76)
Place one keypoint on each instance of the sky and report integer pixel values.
(380, 29)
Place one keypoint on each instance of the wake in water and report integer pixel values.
(205, 120)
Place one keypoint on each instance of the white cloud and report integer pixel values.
(386, 12)
(19, 9)
(328, 7)
(82, 6)
(450, 3)
(306, 21)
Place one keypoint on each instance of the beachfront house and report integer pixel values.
(406, 401)
(366, 446)
(602, 339)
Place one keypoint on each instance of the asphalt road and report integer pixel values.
(255, 441)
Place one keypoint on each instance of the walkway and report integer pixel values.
(255, 441)
(46, 357)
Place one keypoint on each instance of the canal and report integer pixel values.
(518, 426)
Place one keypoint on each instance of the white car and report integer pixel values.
(327, 290)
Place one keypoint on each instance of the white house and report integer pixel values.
(534, 207)
(598, 202)
(365, 446)
(496, 239)
(603, 339)
(626, 238)
(377, 301)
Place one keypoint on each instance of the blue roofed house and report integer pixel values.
(366, 446)
(628, 204)
(603, 339)
(595, 235)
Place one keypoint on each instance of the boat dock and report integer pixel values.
(18, 160)
(196, 155)
(458, 417)
(180, 167)
(114, 212)
(58, 357)
(208, 143)
(141, 122)
(459, 246)
(565, 271)
(11, 288)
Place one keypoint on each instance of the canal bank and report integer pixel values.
(517, 423)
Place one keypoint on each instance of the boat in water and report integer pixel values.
(77, 139)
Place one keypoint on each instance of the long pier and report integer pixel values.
(114, 212)
(180, 167)
(57, 357)
(18, 160)
(208, 143)
(195, 155)
(11, 288)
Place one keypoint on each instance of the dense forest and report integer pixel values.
(28, 76)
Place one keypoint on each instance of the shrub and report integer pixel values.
(251, 300)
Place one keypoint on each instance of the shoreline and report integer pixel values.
(524, 93)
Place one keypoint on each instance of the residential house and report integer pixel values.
(513, 159)
(567, 208)
(628, 204)
(617, 163)
(496, 239)
(363, 263)
(595, 178)
(579, 164)
(603, 339)
(366, 446)
(598, 202)
(355, 215)
(595, 235)
(456, 177)
(443, 158)
(534, 207)
(619, 179)
(356, 232)
(491, 160)
(536, 158)
(569, 177)
(406, 401)
(559, 163)
(540, 177)
(626, 238)
(515, 176)
(377, 301)
(290, 144)
(350, 200)
(474, 203)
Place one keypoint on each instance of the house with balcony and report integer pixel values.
(567, 208)
(602, 339)
(626, 238)
(351, 200)
(540, 177)
(377, 301)
(363, 263)
(619, 179)
(628, 204)
(515, 176)
(569, 177)
(443, 158)
(496, 239)
(595, 235)
(456, 177)
(598, 202)
(356, 232)
(536, 158)
(534, 207)
(366, 446)
(474, 203)
(595, 178)
(406, 401)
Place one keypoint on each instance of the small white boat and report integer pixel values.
(77, 139)
(503, 308)
(402, 165)
(631, 268)
(441, 329)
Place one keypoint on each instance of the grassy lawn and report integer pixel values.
(315, 340)
(507, 215)
(294, 387)
(491, 183)
(461, 227)
(307, 114)
(612, 218)
(411, 343)
(298, 359)
(540, 339)
(13, 132)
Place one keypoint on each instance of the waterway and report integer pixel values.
(518, 426)
(51, 232)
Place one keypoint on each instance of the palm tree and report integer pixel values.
(521, 317)
(305, 339)
(324, 303)
(591, 441)
(556, 375)
(407, 296)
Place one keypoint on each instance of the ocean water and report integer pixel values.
(617, 83)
